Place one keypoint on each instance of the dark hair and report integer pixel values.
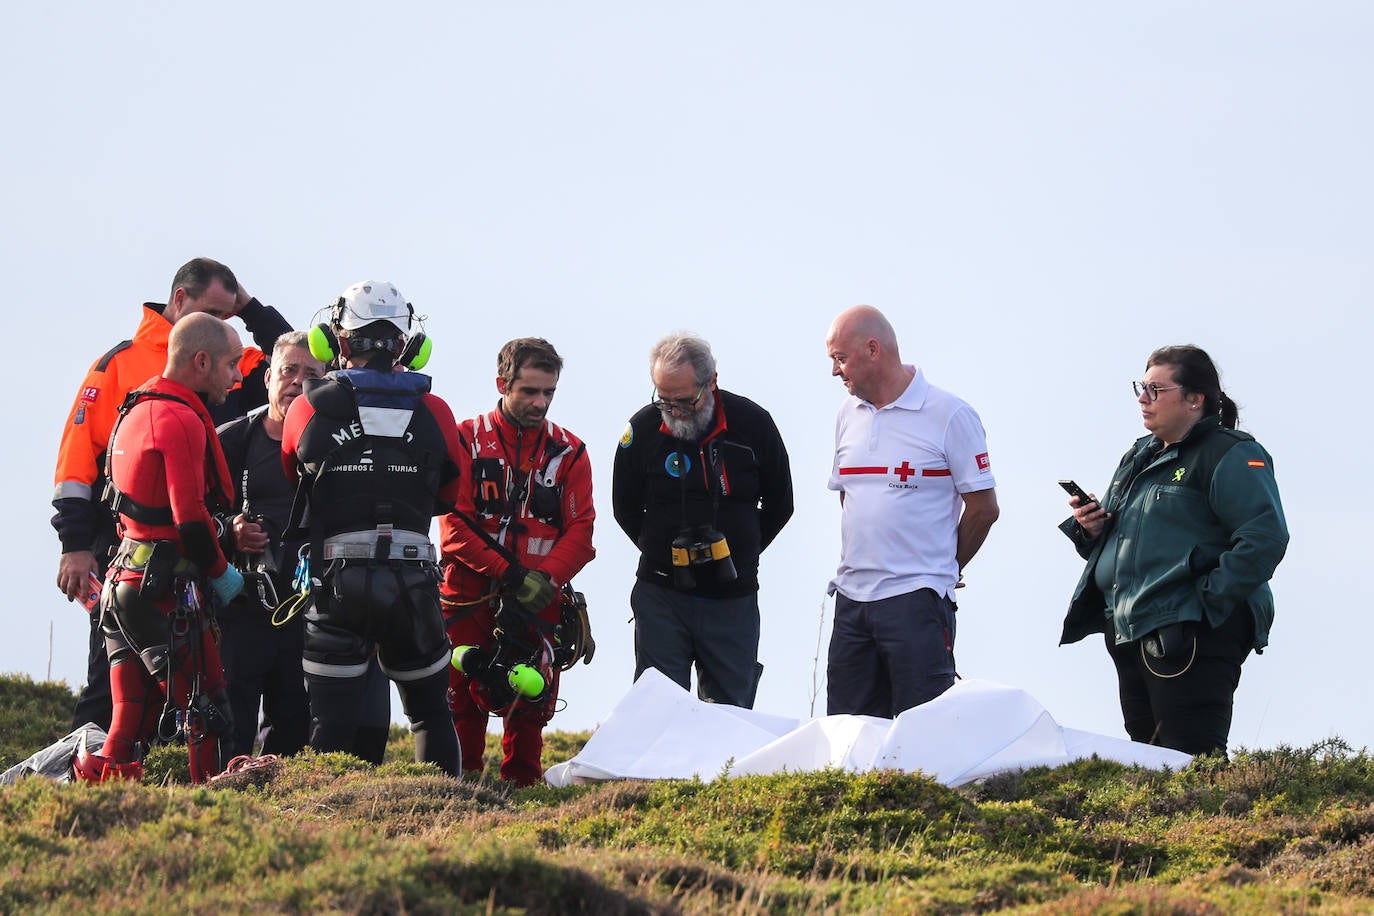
(375, 344)
(196, 275)
(527, 352)
(1195, 371)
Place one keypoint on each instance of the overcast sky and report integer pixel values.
(1036, 194)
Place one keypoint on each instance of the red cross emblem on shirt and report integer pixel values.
(905, 471)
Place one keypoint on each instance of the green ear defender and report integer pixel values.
(324, 344)
(460, 657)
(417, 352)
(526, 681)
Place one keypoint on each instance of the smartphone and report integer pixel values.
(93, 587)
(1073, 489)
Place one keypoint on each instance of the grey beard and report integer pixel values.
(692, 428)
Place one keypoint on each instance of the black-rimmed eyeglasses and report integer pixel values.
(678, 405)
(1153, 388)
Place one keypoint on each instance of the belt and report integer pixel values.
(362, 545)
(135, 555)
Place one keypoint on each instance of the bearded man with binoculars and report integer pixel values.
(702, 486)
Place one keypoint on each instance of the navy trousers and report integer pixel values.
(889, 655)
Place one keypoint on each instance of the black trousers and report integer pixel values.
(263, 666)
(394, 606)
(1190, 712)
(95, 703)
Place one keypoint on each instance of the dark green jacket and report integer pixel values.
(1197, 530)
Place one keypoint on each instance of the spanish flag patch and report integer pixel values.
(1255, 463)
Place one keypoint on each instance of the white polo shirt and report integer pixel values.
(901, 470)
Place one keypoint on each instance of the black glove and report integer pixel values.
(532, 589)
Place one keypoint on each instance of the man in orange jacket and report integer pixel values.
(84, 526)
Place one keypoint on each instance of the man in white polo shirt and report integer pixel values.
(917, 501)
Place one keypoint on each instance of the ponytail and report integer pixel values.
(1228, 410)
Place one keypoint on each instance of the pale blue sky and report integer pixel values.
(1036, 194)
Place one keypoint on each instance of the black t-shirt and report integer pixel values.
(261, 488)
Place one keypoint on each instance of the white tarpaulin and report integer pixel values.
(975, 729)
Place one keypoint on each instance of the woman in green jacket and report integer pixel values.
(1180, 553)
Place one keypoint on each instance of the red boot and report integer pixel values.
(94, 768)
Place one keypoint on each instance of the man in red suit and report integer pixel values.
(528, 484)
(167, 478)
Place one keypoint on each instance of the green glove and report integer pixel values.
(532, 589)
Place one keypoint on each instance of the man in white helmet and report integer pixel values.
(377, 453)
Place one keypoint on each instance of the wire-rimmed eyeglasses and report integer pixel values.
(1153, 388)
(678, 405)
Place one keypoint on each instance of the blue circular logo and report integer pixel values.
(677, 464)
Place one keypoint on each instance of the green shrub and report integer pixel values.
(32, 716)
(1282, 830)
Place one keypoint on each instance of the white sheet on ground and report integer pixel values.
(974, 730)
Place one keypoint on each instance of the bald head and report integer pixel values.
(203, 354)
(863, 353)
(196, 333)
(859, 324)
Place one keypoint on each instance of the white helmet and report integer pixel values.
(372, 300)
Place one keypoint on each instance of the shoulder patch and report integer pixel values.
(627, 437)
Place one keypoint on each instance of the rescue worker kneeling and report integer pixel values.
(375, 452)
(167, 474)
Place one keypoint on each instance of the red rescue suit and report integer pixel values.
(531, 490)
(166, 464)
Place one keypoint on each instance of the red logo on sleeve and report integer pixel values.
(983, 464)
(89, 393)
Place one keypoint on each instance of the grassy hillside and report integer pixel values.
(1286, 830)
